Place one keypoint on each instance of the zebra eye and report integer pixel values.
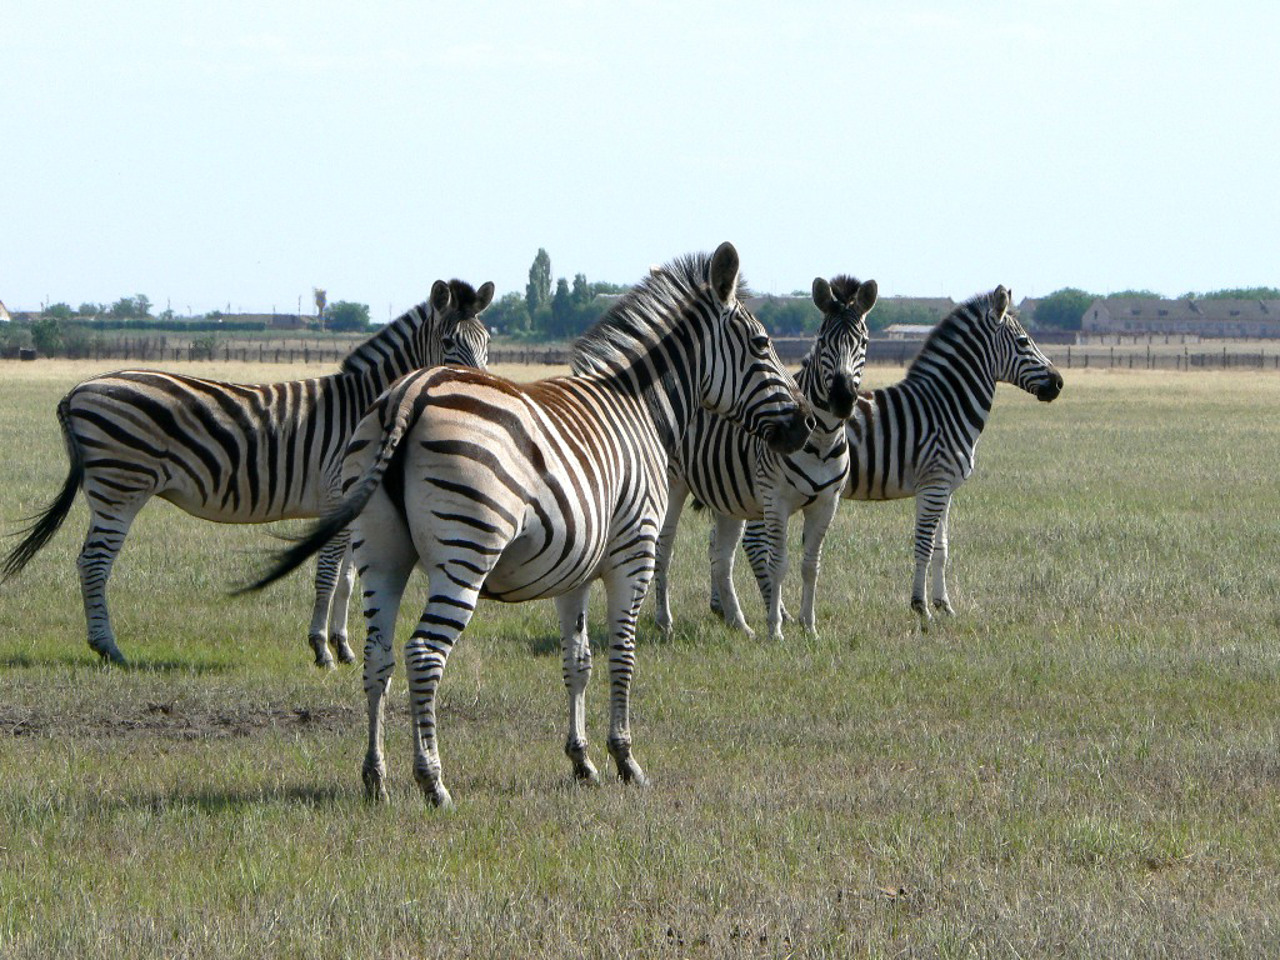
(448, 342)
(760, 342)
(1024, 340)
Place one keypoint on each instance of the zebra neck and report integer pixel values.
(964, 381)
(830, 429)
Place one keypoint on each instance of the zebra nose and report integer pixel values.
(1050, 389)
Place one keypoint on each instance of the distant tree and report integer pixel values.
(167, 315)
(509, 315)
(131, 308)
(538, 291)
(90, 309)
(1063, 309)
(321, 297)
(345, 316)
(46, 336)
(1235, 293)
(59, 311)
(788, 316)
(581, 289)
(1136, 295)
(562, 311)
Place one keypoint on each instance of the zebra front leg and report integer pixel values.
(941, 602)
(101, 547)
(677, 495)
(338, 610)
(576, 648)
(455, 588)
(625, 593)
(817, 520)
(328, 568)
(930, 504)
(755, 542)
(724, 546)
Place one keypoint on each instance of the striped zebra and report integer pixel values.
(238, 453)
(519, 492)
(918, 437)
(741, 479)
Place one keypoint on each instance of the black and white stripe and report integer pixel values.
(741, 479)
(519, 492)
(918, 438)
(237, 453)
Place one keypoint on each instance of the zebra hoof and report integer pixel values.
(944, 607)
(375, 786)
(342, 649)
(438, 797)
(630, 773)
(741, 627)
(111, 655)
(321, 649)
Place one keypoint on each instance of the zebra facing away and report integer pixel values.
(918, 438)
(740, 478)
(238, 453)
(520, 492)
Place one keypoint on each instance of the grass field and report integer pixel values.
(1085, 762)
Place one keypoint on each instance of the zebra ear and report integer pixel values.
(822, 298)
(484, 296)
(440, 296)
(1002, 301)
(868, 293)
(724, 273)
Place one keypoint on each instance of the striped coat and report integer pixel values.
(236, 453)
(741, 479)
(519, 492)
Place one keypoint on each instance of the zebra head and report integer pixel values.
(742, 378)
(833, 369)
(456, 326)
(1018, 360)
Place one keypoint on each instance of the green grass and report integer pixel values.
(1085, 762)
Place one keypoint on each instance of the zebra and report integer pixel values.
(237, 453)
(740, 478)
(918, 438)
(520, 492)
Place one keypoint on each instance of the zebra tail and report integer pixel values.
(47, 522)
(406, 412)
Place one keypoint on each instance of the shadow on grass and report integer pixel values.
(28, 661)
(236, 801)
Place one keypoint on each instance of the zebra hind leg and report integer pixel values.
(101, 547)
(941, 602)
(726, 533)
(328, 570)
(626, 594)
(755, 542)
(338, 610)
(576, 646)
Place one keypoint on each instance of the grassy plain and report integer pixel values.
(1085, 762)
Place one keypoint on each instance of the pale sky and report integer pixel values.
(242, 153)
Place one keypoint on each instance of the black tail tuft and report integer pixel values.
(286, 561)
(50, 519)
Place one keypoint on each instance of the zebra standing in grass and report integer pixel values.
(741, 479)
(918, 437)
(519, 492)
(238, 453)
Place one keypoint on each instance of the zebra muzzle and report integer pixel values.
(790, 432)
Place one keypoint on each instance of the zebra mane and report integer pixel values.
(643, 315)
(844, 288)
(956, 322)
(398, 335)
